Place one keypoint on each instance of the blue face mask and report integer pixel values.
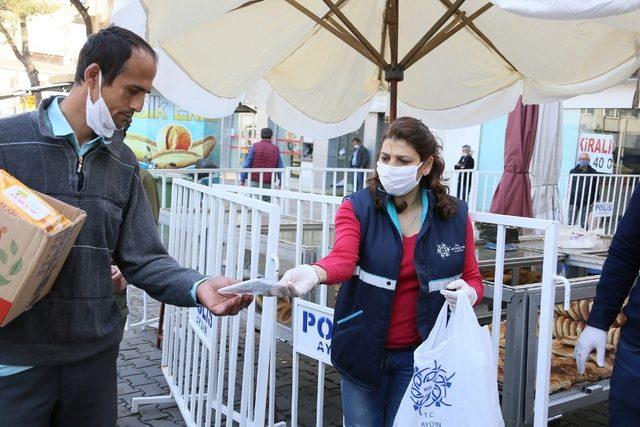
(583, 163)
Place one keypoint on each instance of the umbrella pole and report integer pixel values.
(393, 76)
(393, 101)
(394, 72)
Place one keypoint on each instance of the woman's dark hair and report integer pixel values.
(356, 139)
(110, 48)
(420, 138)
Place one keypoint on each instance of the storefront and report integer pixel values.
(164, 135)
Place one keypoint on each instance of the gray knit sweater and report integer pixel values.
(79, 317)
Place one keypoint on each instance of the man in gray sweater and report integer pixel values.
(58, 359)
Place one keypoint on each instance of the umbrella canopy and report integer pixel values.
(321, 64)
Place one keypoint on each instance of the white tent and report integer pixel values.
(318, 67)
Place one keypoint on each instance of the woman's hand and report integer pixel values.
(298, 281)
(457, 287)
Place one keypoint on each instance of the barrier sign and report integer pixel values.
(599, 147)
(313, 330)
(603, 210)
(201, 318)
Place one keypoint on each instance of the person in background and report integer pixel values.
(466, 162)
(58, 359)
(203, 178)
(583, 191)
(402, 248)
(359, 160)
(264, 154)
(619, 274)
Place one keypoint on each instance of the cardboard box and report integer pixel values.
(30, 258)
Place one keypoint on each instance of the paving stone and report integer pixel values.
(131, 354)
(167, 423)
(125, 388)
(144, 362)
(130, 422)
(153, 369)
(139, 379)
(151, 412)
(152, 390)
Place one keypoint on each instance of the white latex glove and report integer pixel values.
(297, 282)
(456, 287)
(591, 338)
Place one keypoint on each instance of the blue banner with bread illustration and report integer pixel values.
(164, 135)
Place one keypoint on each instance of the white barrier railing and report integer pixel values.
(474, 187)
(228, 176)
(145, 319)
(301, 203)
(212, 231)
(326, 181)
(597, 201)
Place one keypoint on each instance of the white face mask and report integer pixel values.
(398, 180)
(98, 116)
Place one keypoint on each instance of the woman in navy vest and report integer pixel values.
(402, 248)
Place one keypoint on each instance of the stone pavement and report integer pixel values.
(139, 375)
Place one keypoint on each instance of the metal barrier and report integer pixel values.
(474, 187)
(212, 231)
(327, 204)
(597, 201)
(144, 320)
(326, 181)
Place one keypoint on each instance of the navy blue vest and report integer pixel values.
(363, 307)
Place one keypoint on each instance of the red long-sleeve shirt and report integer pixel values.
(341, 262)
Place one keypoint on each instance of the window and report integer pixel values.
(619, 126)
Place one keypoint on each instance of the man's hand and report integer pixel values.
(221, 305)
(118, 280)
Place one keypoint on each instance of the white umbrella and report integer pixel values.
(318, 66)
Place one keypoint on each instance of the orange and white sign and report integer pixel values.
(600, 149)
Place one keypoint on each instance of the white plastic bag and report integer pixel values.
(455, 375)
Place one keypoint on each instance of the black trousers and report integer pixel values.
(624, 403)
(79, 394)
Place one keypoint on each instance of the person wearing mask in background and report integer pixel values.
(359, 160)
(264, 154)
(619, 274)
(466, 162)
(402, 248)
(58, 359)
(583, 191)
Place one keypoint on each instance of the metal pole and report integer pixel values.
(393, 103)
(547, 300)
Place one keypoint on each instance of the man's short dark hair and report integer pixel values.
(356, 139)
(110, 48)
(266, 133)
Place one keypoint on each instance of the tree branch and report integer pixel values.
(11, 41)
(84, 13)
